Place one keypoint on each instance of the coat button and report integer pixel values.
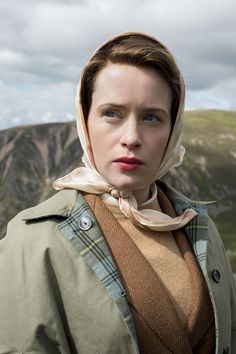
(226, 350)
(85, 223)
(215, 275)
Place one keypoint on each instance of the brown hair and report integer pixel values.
(136, 49)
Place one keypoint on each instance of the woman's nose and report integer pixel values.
(131, 134)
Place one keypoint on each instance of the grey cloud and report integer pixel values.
(44, 44)
(34, 103)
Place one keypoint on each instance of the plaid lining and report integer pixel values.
(91, 245)
(196, 230)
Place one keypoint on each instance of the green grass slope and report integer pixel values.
(209, 168)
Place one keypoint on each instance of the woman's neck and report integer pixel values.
(142, 195)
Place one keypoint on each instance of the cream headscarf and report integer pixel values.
(89, 180)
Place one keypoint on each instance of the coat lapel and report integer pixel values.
(82, 231)
(197, 229)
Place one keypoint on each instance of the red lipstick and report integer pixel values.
(128, 163)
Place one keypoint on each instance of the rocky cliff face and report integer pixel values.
(32, 157)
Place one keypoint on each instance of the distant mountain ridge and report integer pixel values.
(32, 157)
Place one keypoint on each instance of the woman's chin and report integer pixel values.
(128, 184)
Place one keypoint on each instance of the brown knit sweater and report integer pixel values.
(158, 247)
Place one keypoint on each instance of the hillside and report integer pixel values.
(209, 168)
(32, 157)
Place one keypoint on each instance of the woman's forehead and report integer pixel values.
(122, 84)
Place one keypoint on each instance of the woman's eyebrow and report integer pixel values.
(155, 110)
(144, 109)
(110, 104)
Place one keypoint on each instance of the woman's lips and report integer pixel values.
(128, 163)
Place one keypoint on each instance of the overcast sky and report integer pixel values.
(44, 45)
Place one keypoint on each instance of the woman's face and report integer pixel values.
(129, 125)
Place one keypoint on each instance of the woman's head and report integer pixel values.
(129, 107)
(135, 49)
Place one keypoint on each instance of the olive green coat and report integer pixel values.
(60, 292)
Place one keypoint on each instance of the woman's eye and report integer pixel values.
(151, 118)
(110, 114)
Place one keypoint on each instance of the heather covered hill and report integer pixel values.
(32, 157)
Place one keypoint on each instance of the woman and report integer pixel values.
(118, 262)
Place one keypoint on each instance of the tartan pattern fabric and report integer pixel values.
(197, 229)
(91, 245)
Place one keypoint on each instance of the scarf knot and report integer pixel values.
(115, 193)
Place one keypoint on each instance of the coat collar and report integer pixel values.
(60, 204)
(178, 199)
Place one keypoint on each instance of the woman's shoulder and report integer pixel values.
(39, 221)
(181, 202)
(60, 204)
